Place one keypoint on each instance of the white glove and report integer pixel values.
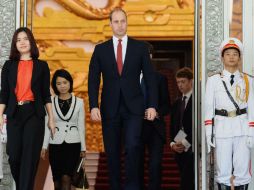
(210, 143)
(3, 138)
(249, 142)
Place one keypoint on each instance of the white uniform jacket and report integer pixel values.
(217, 98)
(69, 128)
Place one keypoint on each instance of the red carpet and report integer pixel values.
(170, 173)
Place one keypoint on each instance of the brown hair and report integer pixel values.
(14, 54)
(184, 72)
(116, 9)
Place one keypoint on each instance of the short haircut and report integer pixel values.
(116, 9)
(223, 51)
(64, 74)
(184, 72)
(14, 54)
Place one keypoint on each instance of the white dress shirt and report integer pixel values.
(188, 95)
(124, 46)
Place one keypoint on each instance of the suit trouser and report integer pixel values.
(232, 158)
(25, 133)
(124, 127)
(185, 162)
(153, 143)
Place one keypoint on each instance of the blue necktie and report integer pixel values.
(232, 79)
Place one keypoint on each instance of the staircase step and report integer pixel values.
(92, 155)
(91, 162)
(91, 167)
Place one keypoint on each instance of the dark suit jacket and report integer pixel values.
(184, 160)
(163, 106)
(39, 86)
(128, 84)
(187, 120)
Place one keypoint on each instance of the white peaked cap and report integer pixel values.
(231, 43)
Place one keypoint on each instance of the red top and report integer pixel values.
(23, 88)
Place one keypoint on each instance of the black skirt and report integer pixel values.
(63, 159)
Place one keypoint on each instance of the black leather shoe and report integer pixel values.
(223, 187)
(242, 187)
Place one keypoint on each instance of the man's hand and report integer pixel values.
(95, 114)
(178, 147)
(43, 153)
(51, 126)
(150, 114)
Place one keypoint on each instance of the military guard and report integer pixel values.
(229, 115)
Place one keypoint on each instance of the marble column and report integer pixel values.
(213, 36)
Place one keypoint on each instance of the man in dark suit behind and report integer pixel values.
(181, 119)
(120, 61)
(154, 132)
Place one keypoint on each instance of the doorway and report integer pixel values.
(168, 58)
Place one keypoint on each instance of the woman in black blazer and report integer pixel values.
(24, 95)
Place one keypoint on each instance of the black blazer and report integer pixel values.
(163, 106)
(39, 86)
(187, 119)
(103, 62)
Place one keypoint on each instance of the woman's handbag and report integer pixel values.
(79, 179)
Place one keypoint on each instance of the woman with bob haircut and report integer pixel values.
(25, 93)
(68, 144)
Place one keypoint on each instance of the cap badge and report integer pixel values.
(231, 42)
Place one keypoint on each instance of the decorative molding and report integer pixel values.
(214, 34)
(7, 27)
(150, 19)
(185, 3)
(85, 10)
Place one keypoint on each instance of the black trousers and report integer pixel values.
(123, 128)
(185, 162)
(153, 143)
(25, 133)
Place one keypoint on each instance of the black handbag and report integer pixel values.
(79, 178)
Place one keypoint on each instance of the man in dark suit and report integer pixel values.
(154, 132)
(120, 61)
(181, 120)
